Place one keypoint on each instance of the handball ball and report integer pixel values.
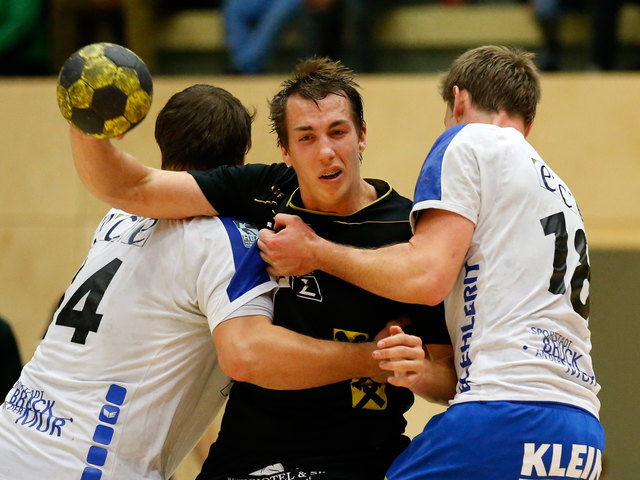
(104, 90)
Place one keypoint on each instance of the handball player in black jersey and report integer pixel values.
(349, 430)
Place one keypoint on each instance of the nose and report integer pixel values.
(326, 151)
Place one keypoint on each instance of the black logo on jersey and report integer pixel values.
(365, 393)
(553, 184)
(307, 287)
(248, 232)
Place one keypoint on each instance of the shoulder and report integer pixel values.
(474, 140)
(387, 195)
(216, 239)
(246, 170)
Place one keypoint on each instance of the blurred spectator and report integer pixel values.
(253, 29)
(548, 14)
(76, 23)
(343, 30)
(605, 33)
(10, 363)
(23, 40)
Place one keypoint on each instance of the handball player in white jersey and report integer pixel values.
(499, 236)
(127, 377)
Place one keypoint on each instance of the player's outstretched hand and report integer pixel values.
(289, 247)
(403, 355)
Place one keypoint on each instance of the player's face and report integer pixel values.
(324, 149)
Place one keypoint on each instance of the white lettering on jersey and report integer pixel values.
(537, 465)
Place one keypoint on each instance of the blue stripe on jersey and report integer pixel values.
(429, 186)
(103, 434)
(250, 268)
(91, 473)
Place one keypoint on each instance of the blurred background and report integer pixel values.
(586, 129)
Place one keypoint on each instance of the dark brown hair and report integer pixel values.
(203, 127)
(314, 79)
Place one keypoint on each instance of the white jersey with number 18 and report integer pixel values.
(518, 314)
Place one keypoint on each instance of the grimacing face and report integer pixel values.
(324, 149)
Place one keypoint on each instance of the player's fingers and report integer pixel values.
(399, 339)
(282, 220)
(403, 381)
(402, 364)
(395, 330)
(399, 353)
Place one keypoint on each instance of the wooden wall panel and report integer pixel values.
(586, 130)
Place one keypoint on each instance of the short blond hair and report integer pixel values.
(498, 78)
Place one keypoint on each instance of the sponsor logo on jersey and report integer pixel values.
(306, 286)
(553, 184)
(560, 461)
(277, 471)
(248, 232)
(126, 229)
(559, 349)
(365, 393)
(469, 296)
(35, 411)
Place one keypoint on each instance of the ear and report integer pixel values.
(285, 155)
(527, 130)
(461, 103)
(362, 142)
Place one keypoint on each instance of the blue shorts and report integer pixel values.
(506, 441)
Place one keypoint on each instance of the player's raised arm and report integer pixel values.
(91, 101)
(122, 181)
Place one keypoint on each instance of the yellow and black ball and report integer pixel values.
(104, 90)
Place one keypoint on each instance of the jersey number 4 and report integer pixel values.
(92, 290)
(556, 225)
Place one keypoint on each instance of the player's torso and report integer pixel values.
(520, 305)
(123, 342)
(345, 415)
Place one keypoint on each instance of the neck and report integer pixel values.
(366, 194)
(501, 119)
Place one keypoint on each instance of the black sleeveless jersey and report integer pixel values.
(343, 418)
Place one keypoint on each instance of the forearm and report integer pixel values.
(123, 182)
(398, 271)
(108, 173)
(275, 357)
(438, 382)
(422, 270)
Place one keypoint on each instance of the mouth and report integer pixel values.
(331, 175)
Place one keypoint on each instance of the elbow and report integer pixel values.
(238, 361)
(429, 289)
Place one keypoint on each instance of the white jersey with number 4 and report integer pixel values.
(126, 380)
(518, 314)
